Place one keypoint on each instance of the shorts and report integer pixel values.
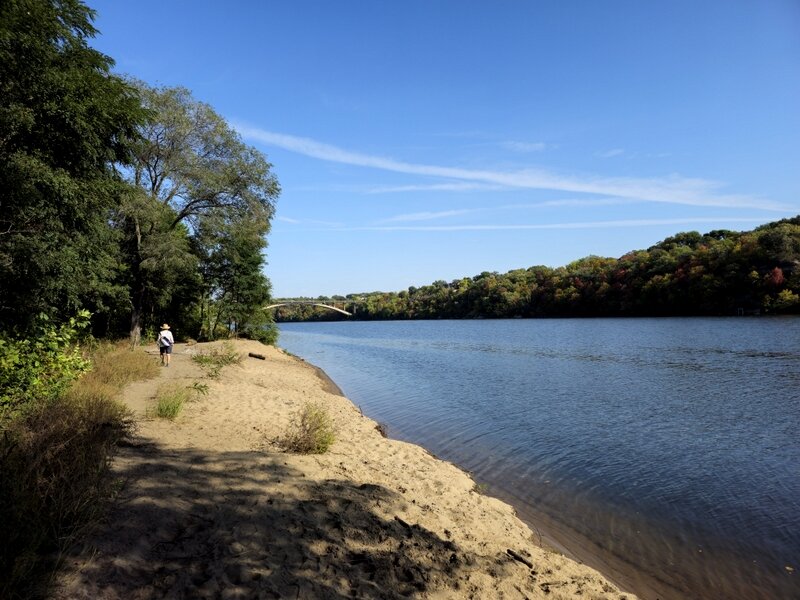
(166, 350)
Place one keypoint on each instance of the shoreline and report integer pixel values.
(566, 541)
(212, 508)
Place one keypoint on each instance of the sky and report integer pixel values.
(431, 140)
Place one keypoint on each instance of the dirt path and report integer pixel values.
(210, 508)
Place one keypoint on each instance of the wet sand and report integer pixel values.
(210, 507)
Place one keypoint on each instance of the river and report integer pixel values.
(664, 452)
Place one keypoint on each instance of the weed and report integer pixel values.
(200, 388)
(383, 429)
(311, 431)
(215, 359)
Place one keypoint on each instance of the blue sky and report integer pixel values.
(435, 139)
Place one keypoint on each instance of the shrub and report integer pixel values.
(41, 365)
(266, 334)
(311, 431)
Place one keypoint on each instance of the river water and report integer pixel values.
(665, 452)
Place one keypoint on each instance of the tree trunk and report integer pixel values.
(137, 299)
(136, 324)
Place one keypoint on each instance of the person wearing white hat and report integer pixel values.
(165, 344)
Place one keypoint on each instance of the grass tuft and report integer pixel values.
(170, 399)
(310, 432)
(213, 361)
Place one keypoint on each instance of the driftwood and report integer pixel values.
(517, 556)
(258, 356)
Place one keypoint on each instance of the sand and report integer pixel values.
(210, 507)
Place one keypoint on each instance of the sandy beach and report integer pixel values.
(210, 507)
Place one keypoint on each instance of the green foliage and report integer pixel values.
(236, 289)
(194, 231)
(107, 184)
(64, 119)
(718, 273)
(213, 361)
(266, 334)
(39, 367)
(311, 431)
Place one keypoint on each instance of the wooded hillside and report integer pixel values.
(718, 273)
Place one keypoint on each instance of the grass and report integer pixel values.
(54, 459)
(170, 399)
(310, 432)
(115, 364)
(213, 361)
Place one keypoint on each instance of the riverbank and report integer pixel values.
(210, 507)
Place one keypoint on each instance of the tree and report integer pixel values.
(64, 119)
(193, 172)
(235, 289)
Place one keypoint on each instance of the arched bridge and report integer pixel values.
(309, 303)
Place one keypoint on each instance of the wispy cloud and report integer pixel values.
(524, 146)
(602, 201)
(574, 225)
(292, 221)
(611, 153)
(434, 187)
(673, 189)
(429, 216)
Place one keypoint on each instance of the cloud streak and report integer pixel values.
(430, 216)
(434, 187)
(574, 225)
(673, 189)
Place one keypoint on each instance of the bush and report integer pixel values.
(41, 365)
(266, 334)
(311, 431)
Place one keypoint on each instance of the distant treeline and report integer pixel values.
(719, 273)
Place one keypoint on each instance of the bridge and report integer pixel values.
(319, 303)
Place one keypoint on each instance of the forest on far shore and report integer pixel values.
(718, 273)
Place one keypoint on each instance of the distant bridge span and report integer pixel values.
(309, 303)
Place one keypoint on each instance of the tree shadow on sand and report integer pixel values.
(189, 524)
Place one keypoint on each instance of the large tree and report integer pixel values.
(64, 119)
(190, 166)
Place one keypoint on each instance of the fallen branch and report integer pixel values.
(258, 356)
(518, 557)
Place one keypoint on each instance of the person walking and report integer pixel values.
(165, 344)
